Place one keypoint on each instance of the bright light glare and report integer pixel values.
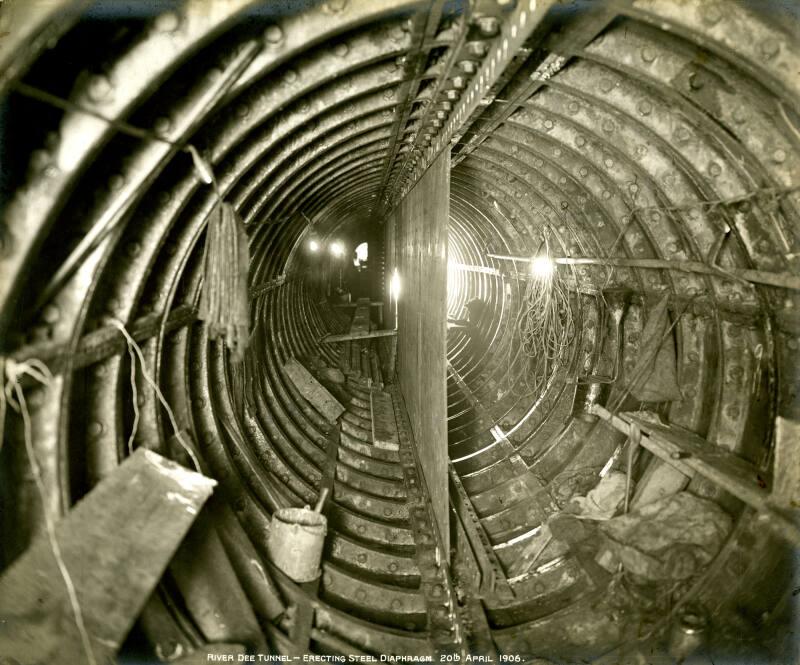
(313, 245)
(394, 285)
(542, 267)
(337, 249)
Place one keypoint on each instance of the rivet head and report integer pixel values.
(488, 25)
(467, 66)
(648, 54)
(341, 50)
(608, 126)
(51, 314)
(116, 182)
(606, 85)
(99, 89)
(273, 34)
(162, 125)
(477, 48)
(336, 6)
(769, 47)
(714, 169)
(711, 13)
(779, 156)
(168, 22)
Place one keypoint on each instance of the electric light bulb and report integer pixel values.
(337, 249)
(313, 245)
(542, 267)
(394, 285)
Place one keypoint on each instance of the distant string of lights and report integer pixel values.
(336, 248)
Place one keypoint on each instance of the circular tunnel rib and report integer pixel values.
(652, 147)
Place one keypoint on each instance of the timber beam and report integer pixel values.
(691, 454)
(105, 342)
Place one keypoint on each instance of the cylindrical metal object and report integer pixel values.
(295, 542)
(688, 633)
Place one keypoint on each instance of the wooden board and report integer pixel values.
(384, 426)
(115, 544)
(317, 395)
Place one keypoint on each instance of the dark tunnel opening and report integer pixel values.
(551, 417)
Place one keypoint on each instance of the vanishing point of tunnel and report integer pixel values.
(399, 331)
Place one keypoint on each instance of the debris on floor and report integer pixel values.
(669, 539)
(602, 502)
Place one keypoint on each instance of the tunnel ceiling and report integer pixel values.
(643, 129)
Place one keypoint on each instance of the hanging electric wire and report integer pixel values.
(545, 322)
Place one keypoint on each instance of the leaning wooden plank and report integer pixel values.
(351, 305)
(114, 544)
(346, 337)
(313, 390)
(786, 485)
(384, 426)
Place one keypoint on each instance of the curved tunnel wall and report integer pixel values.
(672, 129)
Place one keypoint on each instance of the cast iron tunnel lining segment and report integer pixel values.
(640, 130)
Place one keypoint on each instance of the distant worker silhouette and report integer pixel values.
(470, 326)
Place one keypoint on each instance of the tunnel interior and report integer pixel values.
(622, 255)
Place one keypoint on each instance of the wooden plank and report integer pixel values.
(352, 305)
(384, 426)
(786, 485)
(104, 342)
(317, 395)
(347, 337)
(115, 544)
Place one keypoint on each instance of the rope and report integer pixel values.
(132, 345)
(135, 399)
(15, 397)
(225, 307)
